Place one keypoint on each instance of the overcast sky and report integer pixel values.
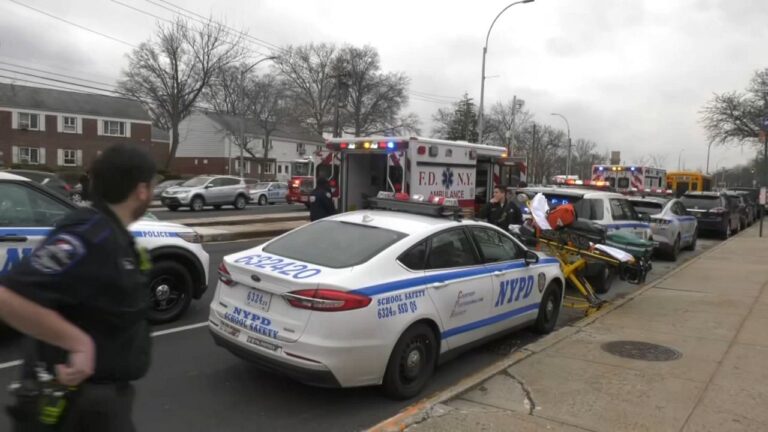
(630, 75)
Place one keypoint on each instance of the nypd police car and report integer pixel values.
(180, 265)
(673, 227)
(380, 296)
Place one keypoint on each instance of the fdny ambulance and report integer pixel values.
(630, 178)
(428, 167)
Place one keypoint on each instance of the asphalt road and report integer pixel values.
(163, 213)
(195, 386)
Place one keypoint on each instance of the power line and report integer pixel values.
(55, 73)
(453, 98)
(50, 85)
(82, 27)
(59, 81)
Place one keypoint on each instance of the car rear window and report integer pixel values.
(701, 202)
(586, 208)
(334, 244)
(647, 207)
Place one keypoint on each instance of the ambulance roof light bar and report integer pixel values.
(416, 204)
(367, 144)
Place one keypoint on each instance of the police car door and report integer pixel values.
(686, 221)
(459, 286)
(26, 217)
(515, 295)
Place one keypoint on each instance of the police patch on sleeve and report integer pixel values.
(57, 254)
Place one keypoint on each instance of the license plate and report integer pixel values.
(258, 299)
(258, 342)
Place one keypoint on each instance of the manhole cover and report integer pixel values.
(641, 351)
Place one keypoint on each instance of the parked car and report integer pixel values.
(741, 206)
(201, 191)
(179, 274)
(714, 212)
(162, 186)
(424, 288)
(50, 181)
(753, 208)
(673, 227)
(265, 193)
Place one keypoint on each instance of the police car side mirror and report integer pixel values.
(531, 257)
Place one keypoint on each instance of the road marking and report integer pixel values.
(15, 363)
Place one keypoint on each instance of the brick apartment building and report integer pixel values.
(65, 131)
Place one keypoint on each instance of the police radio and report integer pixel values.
(40, 400)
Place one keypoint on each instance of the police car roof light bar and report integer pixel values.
(446, 207)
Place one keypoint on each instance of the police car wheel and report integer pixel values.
(675, 251)
(170, 291)
(197, 204)
(262, 200)
(692, 246)
(549, 309)
(240, 202)
(411, 363)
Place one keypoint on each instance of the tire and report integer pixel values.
(727, 232)
(173, 207)
(170, 290)
(217, 207)
(416, 347)
(692, 246)
(262, 200)
(240, 202)
(675, 251)
(549, 310)
(602, 280)
(197, 203)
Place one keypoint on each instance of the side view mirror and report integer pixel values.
(531, 257)
(209, 185)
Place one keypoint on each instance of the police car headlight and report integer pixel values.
(191, 237)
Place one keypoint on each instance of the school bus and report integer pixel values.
(683, 181)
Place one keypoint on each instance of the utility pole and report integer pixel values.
(532, 169)
(342, 88)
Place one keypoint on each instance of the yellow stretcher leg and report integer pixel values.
(590, 301)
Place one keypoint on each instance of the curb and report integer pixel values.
(419, 411)
(209, 222)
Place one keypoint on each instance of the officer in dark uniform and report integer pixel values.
(82, 297)
(501, 211)
(320, 201)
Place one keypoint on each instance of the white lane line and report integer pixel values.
(180, 329)
(15, 363)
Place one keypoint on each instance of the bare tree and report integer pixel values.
(374, 98)
(658, 160)
(735, 117)
(168, 74)
(585, 155)
(311, 72)
(504, 122)
(267, 104)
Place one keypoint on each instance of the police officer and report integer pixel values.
(500, 211)
(81, 295)
(320, 201)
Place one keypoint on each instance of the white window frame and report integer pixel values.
(73, 157)
(105, 128)
(29, 121)
(27, 160)
(63, 125)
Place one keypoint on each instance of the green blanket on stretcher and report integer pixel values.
(629, 243)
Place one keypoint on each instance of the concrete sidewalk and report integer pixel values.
(713, 312)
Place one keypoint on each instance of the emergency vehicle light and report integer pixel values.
(434, 206)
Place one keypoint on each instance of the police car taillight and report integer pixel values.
(224, 276)
(326, 300)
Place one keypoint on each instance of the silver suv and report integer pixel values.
(202, 191)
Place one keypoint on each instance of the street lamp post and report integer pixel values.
(480, 118)
(709, 147)
(242, 113)
(678, 158)
(568, 159)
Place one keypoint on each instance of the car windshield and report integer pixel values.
(344, 244)
(701, 202)
(197, 181)
(647, 207)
